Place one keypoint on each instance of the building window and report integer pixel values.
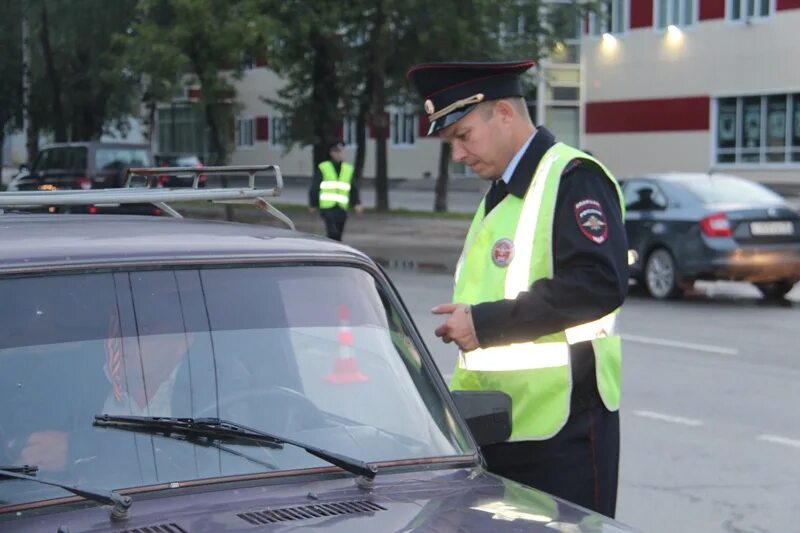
(758, 129)
(403, 128)
(748, 9)
(564, 21)
(245, 132)
(675, 13)
(279, 131)
(349, 132)
(611, 18)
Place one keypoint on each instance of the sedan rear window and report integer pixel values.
(730, 190)
(72, 158)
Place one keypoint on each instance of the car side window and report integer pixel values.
(644, 196)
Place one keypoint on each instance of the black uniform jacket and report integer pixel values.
(590, 277)
(313, 193)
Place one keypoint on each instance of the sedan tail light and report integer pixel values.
(716, 225)
(85, 183)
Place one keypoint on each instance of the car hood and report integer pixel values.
(462, 500)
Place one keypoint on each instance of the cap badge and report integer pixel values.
(429, 109)
(503, 252)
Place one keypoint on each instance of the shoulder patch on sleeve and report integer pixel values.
(592, 220)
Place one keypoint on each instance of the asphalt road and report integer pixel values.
(710, 418)
(459, 201)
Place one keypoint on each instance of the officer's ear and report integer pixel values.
(505, 111)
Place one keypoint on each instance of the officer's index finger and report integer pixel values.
(443, 309)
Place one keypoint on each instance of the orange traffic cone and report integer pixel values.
(345, 368)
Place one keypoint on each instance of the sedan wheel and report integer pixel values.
(660, 275)
(775, 290)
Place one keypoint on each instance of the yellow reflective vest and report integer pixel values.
(505, 252)
(335, 189)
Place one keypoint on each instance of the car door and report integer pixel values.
(644, 204)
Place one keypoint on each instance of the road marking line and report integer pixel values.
(677, 344)
(777, 439)
(668, 418)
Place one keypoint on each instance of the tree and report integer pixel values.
(75, 64)
(177, 45)
(305, 47)
(10, 71)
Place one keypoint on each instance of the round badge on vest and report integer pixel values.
(503, 252)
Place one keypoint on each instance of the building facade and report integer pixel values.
(259, 131)
(694, 85)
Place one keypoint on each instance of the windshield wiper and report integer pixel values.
(120, 503)
(229, 432)
(24, 469)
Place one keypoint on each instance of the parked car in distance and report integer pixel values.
(85, 166)
(686, 227)
(179, 160)
(165, 374)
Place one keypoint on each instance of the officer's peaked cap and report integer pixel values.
(451, 90)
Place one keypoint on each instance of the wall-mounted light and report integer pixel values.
(609, 45)
(609, 40)
(674, 34)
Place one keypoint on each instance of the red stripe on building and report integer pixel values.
(663, 114)
(787, 4)
(712, 9)
(642, 14)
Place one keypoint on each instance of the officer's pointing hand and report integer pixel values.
(459, 327)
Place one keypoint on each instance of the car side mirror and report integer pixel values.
(23, 167)
(487, 413)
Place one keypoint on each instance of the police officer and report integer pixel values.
(333, 191)
(541, 278)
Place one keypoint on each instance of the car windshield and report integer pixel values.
(730, 190)
(317, 354)
(113, 158)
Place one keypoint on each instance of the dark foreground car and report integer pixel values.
(179, 376)
(688, 227)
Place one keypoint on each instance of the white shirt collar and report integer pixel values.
(512, 166)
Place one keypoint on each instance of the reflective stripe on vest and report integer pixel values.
(535, 374)
(335, 189)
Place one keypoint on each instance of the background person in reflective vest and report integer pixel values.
(333, 191)
(538, 286)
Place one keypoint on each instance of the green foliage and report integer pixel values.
(179, 44)
(77, 76)
(11, 66)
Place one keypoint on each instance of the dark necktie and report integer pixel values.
(496, 194)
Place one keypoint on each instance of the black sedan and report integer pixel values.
(686, 227)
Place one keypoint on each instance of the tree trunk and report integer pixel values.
(32, 141)
(59, 124)
(2, 142)
(324, 95)
(440, 201)
(218, 147)
(361, 132)
(379, 116)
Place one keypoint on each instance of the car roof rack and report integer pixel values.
(140, 191)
